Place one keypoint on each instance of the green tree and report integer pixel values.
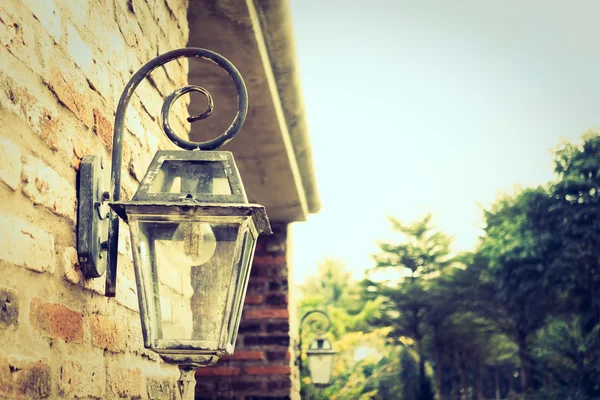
(575, 224)
(569, 360)
(464, 342)
(421, 255)
(517, 256)
(573, 221)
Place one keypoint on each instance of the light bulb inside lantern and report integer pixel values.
(192, 243)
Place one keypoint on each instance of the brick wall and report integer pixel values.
(262, 366)
(63, 64)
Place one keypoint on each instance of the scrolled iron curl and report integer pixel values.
(117, 150)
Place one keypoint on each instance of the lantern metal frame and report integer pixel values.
(318, 330)
(98, 226)
(98, 229)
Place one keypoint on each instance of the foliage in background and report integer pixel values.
(517, 318)
(334, 292)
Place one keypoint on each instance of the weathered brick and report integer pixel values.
(160, 388)
(6, 380)
(56, 320)
(268, 370)
(127, 25)
(9, 308)
(77, 381)
(274, 340)
(204, 387)
(246, 387)
(256, 285)
(78, 49)
(103, 128)
(273, 386)
(79, 10)
(267, 398)
(276, 243)
(48, 14)
(32, 379)
(178, 9)
(249, 327)
(254, 299)
(127, 292)
(26, 245)
(245, 356)
(10, 167)
(279, 285)
(49, 129)
(69, 95)
(122, 382)
(278, 355)
(95, 71)
(277, 300)
(266, 260)
(271, 272)
(32, 106)
(45, 186)
(266, 313)
(144, 18)
(161, 15)
(218, 371)
(79, 150)
(278, 327)
(124, 247)
(134, 125)
(18, 38)
(116, 48)
(106, 333)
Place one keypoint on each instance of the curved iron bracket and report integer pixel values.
(111, 244)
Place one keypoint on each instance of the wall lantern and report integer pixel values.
(320, 353)
(193, 232)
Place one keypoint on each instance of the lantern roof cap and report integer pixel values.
(204, 176)
(193, 183)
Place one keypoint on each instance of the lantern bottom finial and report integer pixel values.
(187, 382)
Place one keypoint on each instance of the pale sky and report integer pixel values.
(435, 106)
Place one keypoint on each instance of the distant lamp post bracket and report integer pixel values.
(320, 353)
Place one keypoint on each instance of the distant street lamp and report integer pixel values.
(193, 232)
(320, 353)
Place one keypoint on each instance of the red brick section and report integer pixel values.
(218, 371)
(69, 96)
(123, 382)
(56, 320)
(24, 378)
(267, 313)
(246, 355)
(260, 365)
(106, 333)
(267, 370)
(103, 128)
(254, 299)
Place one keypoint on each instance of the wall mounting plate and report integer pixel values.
(92, 217)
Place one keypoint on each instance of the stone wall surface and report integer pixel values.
(63, 65)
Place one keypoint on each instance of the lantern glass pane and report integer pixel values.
(320, 362)
(242, 284)
(320, 367)
(191, 177)
(187, 269)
